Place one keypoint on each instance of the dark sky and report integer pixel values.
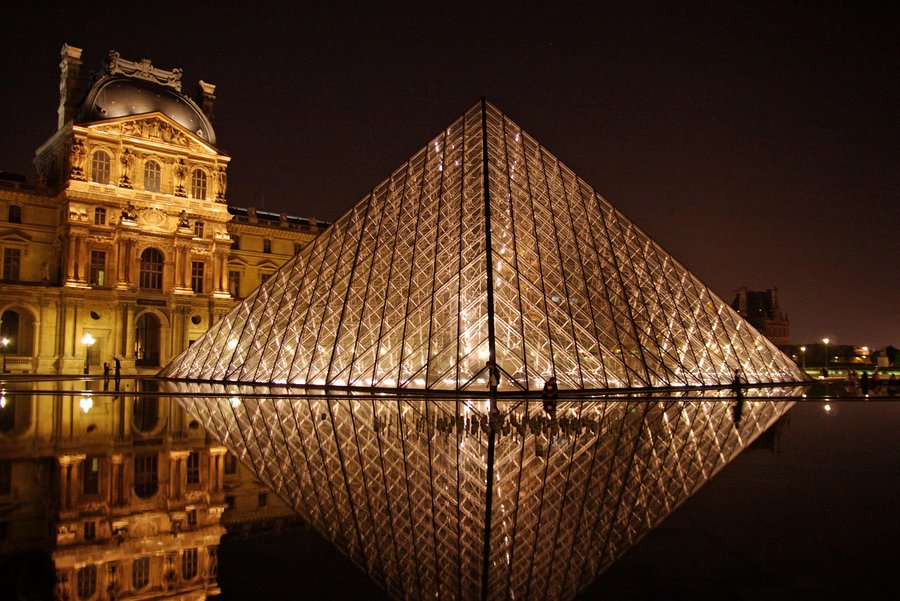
(756, 142)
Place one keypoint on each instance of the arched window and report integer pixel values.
(152, 177)
(100, 167)
(198, 184)
(151, 269)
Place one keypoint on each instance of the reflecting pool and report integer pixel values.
(118, 494)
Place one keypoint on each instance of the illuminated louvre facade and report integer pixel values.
(126, 233)
(484, 247)
(357, 379)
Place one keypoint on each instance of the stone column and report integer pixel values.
(177, 474)
(129, 332)
(216, 469)
(70, 260)
(83, 262)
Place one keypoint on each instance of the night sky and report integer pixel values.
(756, 142)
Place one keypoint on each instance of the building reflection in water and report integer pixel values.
(124, 492)
(129, 496)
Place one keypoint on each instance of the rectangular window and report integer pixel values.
(189, 564)
(99, 216)
(12, 260)
(267, 245)
(90, 530)
(193, 468)
(15, 214)
(91, 476)
(198, 229)
(231, 464)
(297, 248)
(263, 499)
(264, 277)
(229, 501)
(86, 581)
(234, 283)
(197, 276)
(98, 268)
(235, 242)
(140, 572)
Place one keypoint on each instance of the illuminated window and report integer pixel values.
(98, 268)
(90, 476)
(100, 167)
(197, 276)
(198, 184)
(86, 582)
(152, 178)
(12, 260)
(151, 269)
(140, 573)
(198, 229)
(99, 216)
(15, 214)
(267, 245)
(193, 468)
(189, 564)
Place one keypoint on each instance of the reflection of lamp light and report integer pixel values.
(87, 340)
(235, 401)
(825, 340)
(86, 402)
(2, 398)
(4, 342)
(803, 355)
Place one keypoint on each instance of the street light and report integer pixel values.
(4, 342)
(803, 355)
(87, 340)
(825, 340)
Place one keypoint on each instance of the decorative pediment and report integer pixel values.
(152, 218)
(155, 127)
(15, 236)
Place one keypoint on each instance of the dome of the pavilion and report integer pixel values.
(118, 96)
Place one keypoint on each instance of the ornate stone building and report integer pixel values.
(126, 234)
(762, 311)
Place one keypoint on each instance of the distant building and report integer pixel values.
(126, 234)
(762, 311)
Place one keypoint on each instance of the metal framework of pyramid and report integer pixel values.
(372, 413)
(483, 247)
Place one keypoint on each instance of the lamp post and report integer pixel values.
(825, 340)
(803, 356)
(4, 342)
(87, 340)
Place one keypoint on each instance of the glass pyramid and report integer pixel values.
(483, 246)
